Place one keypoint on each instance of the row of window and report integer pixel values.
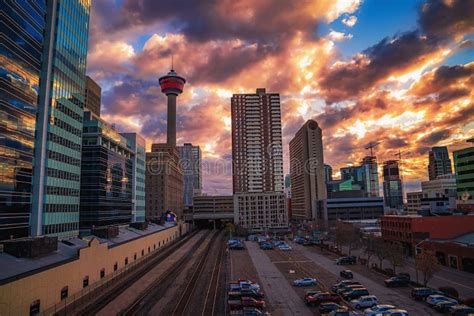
(35, 306)
(61, 191)
(61, 174)
(69, 128)
(64, 142)
(63, 158)
(63, 208)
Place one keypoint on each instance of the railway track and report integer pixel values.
(144, 302)
(104, 298)
(211, 300)
(182, 304)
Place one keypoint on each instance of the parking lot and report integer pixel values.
(276, 270)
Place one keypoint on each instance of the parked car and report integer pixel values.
(461, 310)
(349, 288)
(252, 293)
(444, 306)
(325, 308)
(342, 312)
(237, 246)
(245, 302)
(304, 282)
(247, 311)
(377, 310)
(396, 312)
(365, 301)
(311, 292)
(420, 293)
(343, 284)
(432, 300)
(397, 281)
(346, 274)
(355, 294)
(404, 275)
(285, 247)
(346, 260)
(322, 298)
(266, 246)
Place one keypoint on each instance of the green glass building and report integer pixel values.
(464, 168)
(57, 153)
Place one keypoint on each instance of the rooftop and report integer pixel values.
(68, 250)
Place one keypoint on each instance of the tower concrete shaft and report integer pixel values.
(171, 127)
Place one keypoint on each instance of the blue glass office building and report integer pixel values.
(106, 176)
(57, 162)
(22, 27)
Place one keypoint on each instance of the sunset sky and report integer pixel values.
(396, 71)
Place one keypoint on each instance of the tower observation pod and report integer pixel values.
(172, 85)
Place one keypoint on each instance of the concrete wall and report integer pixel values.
(16, 296)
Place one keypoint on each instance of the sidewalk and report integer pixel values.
(463, 282)
(281, 295)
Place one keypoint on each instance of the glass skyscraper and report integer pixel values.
(106, 176)
(138, 145)
(57, 163)
(22, 26)
(190, 159)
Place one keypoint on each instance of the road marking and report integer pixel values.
(293, 261)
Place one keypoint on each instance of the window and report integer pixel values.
(115, 266)
(102, 273)
(135, 256)
(143, 251)
(64, 292)
(85, 282)
(126, 260)
(148, 249)
(35, 307)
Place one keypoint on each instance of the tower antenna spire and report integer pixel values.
(172, 62)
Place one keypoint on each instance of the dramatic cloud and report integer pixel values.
(397, 91)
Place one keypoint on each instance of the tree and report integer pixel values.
(230, 228)
(369, 243)
(427, 263)
(380, 250)
(395, 255)
(347, 234)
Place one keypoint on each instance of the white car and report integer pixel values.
(284, 247)
(396, 312)
(432, 300)
(377, 310)
(365, 301)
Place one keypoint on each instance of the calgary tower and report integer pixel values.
(171, 84)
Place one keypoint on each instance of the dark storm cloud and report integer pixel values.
(263, 21)
(435, 137)
(439, 23)
(381, 60)
(395, 143)
(134, 96)
(445, 19)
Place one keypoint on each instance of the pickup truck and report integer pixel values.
(237, 304)
(322, 298)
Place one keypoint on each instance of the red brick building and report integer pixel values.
(451, 237)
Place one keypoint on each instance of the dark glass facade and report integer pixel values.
(57, 165)
(106, 176)
(22, 27)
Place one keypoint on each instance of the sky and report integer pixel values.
(398, 72)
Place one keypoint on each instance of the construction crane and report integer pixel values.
(371, 146)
